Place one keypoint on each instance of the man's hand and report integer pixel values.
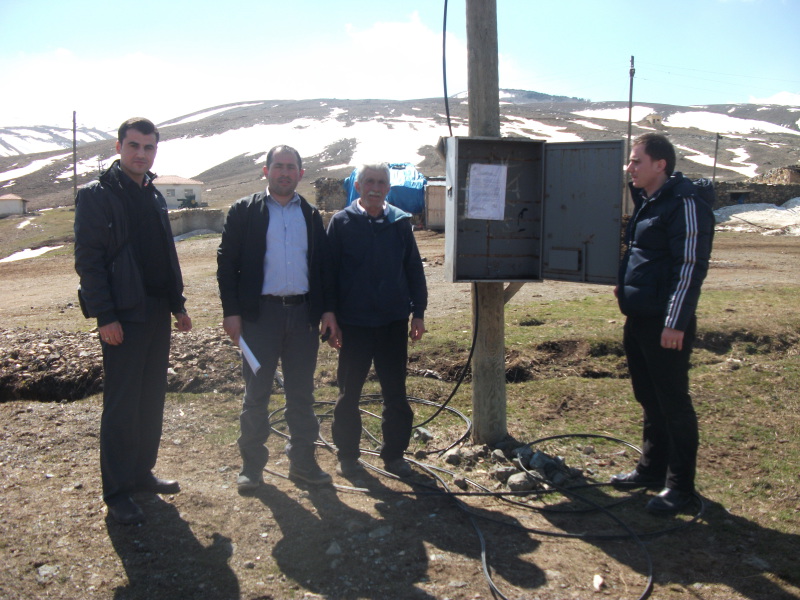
(183, 322)
(111, 334)
(417, 329)
(672, 339)
(330, 327)
(233, 327)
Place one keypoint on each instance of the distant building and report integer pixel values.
(11, 204)
(653, 119)
(180, 192)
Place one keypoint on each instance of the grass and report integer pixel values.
(46, 228)
(745, 382)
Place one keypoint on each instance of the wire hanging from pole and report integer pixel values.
(444, 69)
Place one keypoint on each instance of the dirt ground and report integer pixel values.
(378, 539)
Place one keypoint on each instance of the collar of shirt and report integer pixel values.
(378, 219)
(295, 199)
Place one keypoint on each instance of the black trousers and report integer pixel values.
(660, 380)
(387, 347)
(134, 386)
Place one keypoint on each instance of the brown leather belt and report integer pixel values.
(286, 300)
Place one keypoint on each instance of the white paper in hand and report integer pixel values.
(249, 356)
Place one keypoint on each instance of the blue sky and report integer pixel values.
(163, 59)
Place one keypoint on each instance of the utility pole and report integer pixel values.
(630, 109)
(488, 362)
(716, 150)
(74, 154)
(628, 202)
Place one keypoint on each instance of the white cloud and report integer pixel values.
(394, 60)
(782, 98)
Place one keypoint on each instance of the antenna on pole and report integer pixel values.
(630, 110)
(626, 200)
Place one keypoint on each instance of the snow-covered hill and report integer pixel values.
(225, 146)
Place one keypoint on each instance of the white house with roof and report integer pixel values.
(180, 192)
(11, 204)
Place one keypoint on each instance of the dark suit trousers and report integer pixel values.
(387, 346)
(660, 380)
(134, 385)
(281, 333)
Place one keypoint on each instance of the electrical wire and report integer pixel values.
(444, 69)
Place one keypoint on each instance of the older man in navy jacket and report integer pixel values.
(380, 282)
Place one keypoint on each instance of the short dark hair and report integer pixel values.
(140, 124)
(658, 147)
(284, 148)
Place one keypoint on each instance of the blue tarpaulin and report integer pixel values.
(407, 190)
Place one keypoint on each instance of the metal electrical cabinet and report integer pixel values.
(583, 211)
(495, 250)
(558, 217)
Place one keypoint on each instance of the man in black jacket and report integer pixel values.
(668, 242)
(275, 286)
(130, 282)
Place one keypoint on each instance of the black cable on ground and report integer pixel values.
(505, 496)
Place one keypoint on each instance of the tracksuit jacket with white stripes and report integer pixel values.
(668, 243)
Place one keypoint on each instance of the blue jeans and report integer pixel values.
(285, 333)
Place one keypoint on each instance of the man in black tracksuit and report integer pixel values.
(130, 282)
(668, 242)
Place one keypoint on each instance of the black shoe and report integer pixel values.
(309, 473)
(159, 486)
(248, 483)
(125, 511)
(634, 479)
(399, 467)
(669, 502)
(350, 468)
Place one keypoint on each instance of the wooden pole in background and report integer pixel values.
(74, 154)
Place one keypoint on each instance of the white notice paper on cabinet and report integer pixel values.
(486, 192)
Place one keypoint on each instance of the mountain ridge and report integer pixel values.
(224, 145)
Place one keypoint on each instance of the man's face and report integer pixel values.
(373, 186)
(283, 175)
(645, 172)
(137, 152)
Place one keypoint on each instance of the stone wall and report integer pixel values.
(330, 194)
(746, 192)
(193, 219)
(780, 176)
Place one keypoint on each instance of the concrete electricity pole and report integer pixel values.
(488, 362)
